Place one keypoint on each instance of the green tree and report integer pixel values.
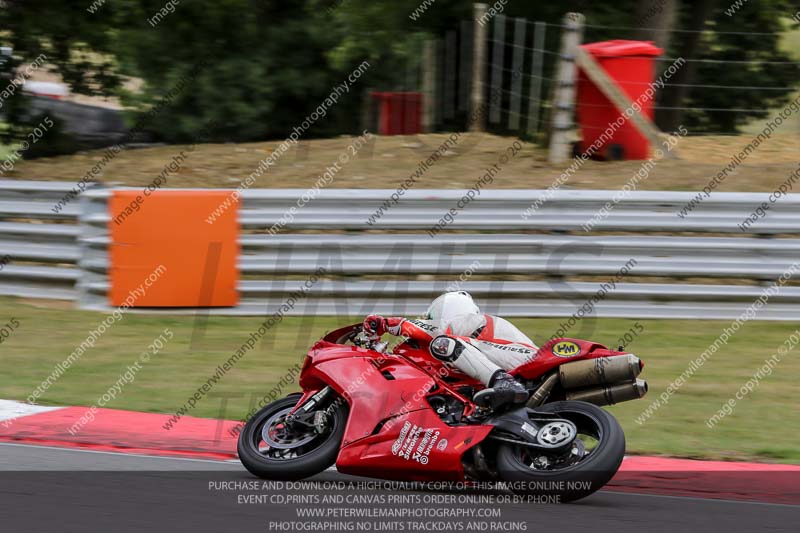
(742, 51)
(257, 67)
(75, 45)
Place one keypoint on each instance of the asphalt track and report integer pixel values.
(47, 489)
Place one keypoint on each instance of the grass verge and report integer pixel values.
(390, 160)
(763, 426)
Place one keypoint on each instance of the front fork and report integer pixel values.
(304, 414)
(311, 403)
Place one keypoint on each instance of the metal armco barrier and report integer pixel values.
(42, 245)
(393, 266)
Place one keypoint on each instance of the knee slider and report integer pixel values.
(445, 348)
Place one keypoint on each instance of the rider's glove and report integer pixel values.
(374, 326)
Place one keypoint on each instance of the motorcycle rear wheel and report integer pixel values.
(295, 453)
(580, 474)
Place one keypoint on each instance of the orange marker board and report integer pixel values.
(171, 228)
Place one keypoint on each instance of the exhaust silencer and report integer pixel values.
(621, 392)
(600, 371)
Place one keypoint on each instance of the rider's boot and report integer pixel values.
(503, 390)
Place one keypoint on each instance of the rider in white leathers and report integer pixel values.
(479, 345)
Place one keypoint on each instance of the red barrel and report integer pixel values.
(632, 67)
(400, 112)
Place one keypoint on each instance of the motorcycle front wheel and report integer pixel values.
(591, 462)
(272, 448)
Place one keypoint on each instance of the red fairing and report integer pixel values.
(416, 446)
(371, 396)
(393, 431)
(559, 351)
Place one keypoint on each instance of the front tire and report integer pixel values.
(571, 480)
(294, 454)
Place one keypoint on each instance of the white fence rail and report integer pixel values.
(517, 265)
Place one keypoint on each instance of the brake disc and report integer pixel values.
(276, 434)
(555, 434)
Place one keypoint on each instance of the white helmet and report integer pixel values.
(450, 305)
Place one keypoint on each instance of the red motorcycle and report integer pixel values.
(404, 415)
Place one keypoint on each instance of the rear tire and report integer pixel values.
(317, 455)
(577, 480)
